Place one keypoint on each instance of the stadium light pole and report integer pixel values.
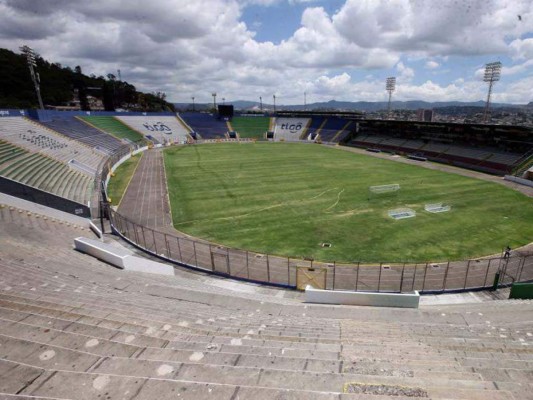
(192, 103)
(390, 86)
(260, 103)
(214, 100)
(492, 75)
(274, 97)
(32, 63)
(223, 100)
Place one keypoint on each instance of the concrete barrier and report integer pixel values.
(120, 258)
(516, 179)
(402, 300)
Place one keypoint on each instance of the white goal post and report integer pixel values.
(384, 188)
(437, 208)
(401, 213)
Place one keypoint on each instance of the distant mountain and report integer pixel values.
(366, 106)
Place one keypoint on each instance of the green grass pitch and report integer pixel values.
(250, 127)
(287, 199)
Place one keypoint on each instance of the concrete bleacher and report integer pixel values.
(39, 139)
(44, 173)
(206, 125)
(291, 128)
(164, 129)
(76, 129)
(335, 129)
(74, 327)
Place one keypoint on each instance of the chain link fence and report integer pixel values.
(282, 271)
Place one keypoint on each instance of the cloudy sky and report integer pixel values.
(243, 49)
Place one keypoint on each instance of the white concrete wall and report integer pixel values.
(402, 300)
(120, 257)
(521, 181)
(163, 128)
(290, 128)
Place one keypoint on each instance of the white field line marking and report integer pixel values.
(337, 202)
(324, 192)
(232, 217)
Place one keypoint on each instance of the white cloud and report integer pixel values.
(194, 47)
(406, 73)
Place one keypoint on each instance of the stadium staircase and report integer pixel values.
(73, 327)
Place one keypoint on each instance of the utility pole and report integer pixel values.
(30, 57)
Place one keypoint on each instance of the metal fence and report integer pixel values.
(282, 271)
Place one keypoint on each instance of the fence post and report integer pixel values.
(357, 275)
(195, 257)
(144, 237)
(334, 272)
(247, 265)
(521, 269)
(379, 277)
(228, 262)
(179, 248)
(446, 276)
(401, 278)
(414, 277)
(466, 276)
(425, 274)
(268, 270)
(155, 244)
(288, 270)
(212, 258)
(137, 241)
(487, 273)
(167, 247)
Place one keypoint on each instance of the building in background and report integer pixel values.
(424, 115)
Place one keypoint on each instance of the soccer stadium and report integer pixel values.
(148, 251)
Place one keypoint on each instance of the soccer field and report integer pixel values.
(288, 199)
(251, 127)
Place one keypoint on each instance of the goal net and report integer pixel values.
(401, 213)
(383, 190)
(437, 208)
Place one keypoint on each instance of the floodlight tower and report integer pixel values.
(214, 100)
(260, 103)
(274, 97)
(492, 74)
(223, 100)
(30, 57)
(192, 103)
(390, 86)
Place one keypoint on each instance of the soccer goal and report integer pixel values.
(402, 213)
(437, 208)
(383, 190)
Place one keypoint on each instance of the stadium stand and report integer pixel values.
(316, 125)
(76, 129)
(335, 129)
(291, 128)
(37, 138)
(487, 148)
(206, 125)
(74, 327)
(44, 173)
(164, 129)
(114, 127)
